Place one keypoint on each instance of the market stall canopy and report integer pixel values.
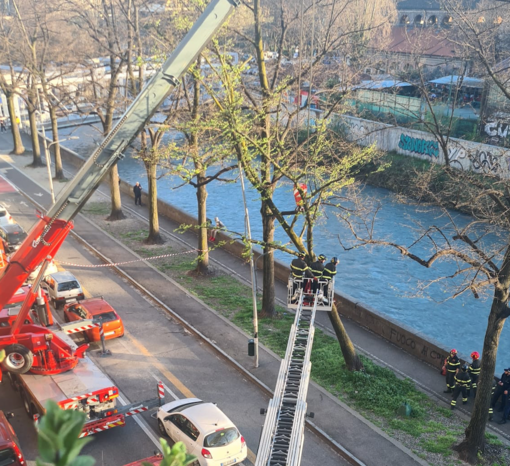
(455, 80)
(378, 85)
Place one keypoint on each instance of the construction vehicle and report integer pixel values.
(39, 349)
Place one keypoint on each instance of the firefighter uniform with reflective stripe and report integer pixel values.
(501, 387)
(299, 271)
(299, 267)
(474, 373)
(462, 383)
(329, 271)
(452, 364)
(317, 268)
(328, 274)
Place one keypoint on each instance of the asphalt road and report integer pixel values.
(154, 348)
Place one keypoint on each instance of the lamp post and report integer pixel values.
(48, 158)
(253, 272)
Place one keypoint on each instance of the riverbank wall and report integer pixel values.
(465, 155)
(417, 344)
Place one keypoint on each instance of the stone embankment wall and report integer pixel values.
(418, 345)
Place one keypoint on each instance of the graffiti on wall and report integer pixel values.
(497, 132)
(419, 146)
(478, 160)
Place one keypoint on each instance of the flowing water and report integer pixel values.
(377, 276)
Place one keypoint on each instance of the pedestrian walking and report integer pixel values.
(474, 372)
(219, 225)
(300, 272)
(137, 190)
(3, 127)
(452, 363)
(317, 268)
(502, 388)
(462, 382)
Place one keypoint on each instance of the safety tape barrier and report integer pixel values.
(81, 329)
(136, 411)
(108, 426)
(93, 266)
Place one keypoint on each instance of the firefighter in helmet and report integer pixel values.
(300, 272)
(474, 371)
(462, 382)
(328, 274)
(452, 363)
(317, 268)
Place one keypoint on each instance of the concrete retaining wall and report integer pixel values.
(465, 155)
(418, 345)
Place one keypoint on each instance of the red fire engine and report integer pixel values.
(44, 351)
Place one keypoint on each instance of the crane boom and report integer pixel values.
(47, 232)
(40, 350)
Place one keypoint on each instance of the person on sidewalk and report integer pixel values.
(317, 268)
(452, 363)
(462, 382)
(502, 388)
(300, 272)
(474, 372)
(219, 225)
(137, 190)
(3, 127)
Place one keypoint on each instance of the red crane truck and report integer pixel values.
(58, 368)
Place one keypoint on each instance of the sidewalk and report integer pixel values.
(355, 433)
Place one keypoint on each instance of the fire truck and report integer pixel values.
(43, 362)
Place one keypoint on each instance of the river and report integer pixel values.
(377, 276)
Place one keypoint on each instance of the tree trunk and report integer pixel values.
(36, 148)
(474, 441)
(59, 169)
(352, 360)
(154, 235)
(116, 212)
(268, 291)
(203, 253)
(16, 136)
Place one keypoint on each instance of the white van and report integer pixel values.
(62, 287)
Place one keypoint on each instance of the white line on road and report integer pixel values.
(143, 425)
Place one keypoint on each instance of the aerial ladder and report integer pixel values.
(36, 348)
(281, 442)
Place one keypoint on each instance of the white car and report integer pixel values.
(205, 430)
(62, 287)
(5, 216)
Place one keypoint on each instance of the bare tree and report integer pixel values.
(275, 139)
(11, 81)
(110, 29)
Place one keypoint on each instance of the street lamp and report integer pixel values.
(253, 272)
(48, 159)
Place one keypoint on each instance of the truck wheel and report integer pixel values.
(18, 359)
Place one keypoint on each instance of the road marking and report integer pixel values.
(169, 376)
(143, 425)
